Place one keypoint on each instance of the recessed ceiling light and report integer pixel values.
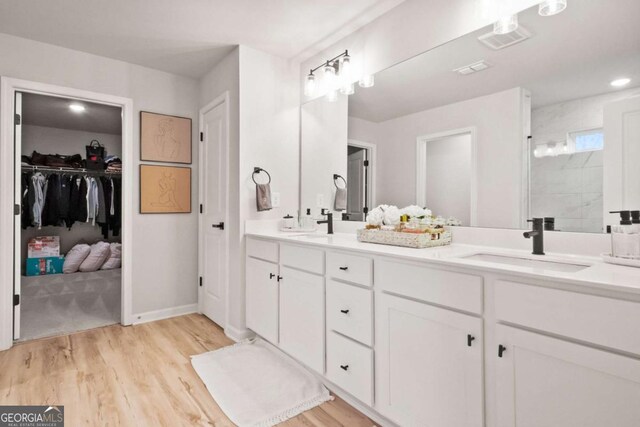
(76, 108)
(620, 82)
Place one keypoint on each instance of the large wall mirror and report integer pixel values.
(493, 129)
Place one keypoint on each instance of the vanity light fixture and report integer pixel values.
(76, 108)
(506, 24)
(338, 76)
(551, 7)
(620, 82)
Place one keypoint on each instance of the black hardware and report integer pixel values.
(336, 177)
(279, 278)
(329, 62)
(271, 275)
(16, 209)
(329, 222)
(344, 311)
(200, 280)
(17, 119)
(201, 136)
(549, 223)
(219, 225)
(200, 207)
(345, 367)
(16, 300)
(501, 350)
(366, 163)
(344, 268)
(257, 170)
(470, 339)
(538, 235)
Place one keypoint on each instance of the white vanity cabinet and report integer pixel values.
(262, 292)
(429, 369)
(549, 382)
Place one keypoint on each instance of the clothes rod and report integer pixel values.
(69, 170)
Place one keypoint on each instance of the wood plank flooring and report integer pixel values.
(133, 376)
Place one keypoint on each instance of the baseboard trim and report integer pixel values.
(238, 334)
(164, 313)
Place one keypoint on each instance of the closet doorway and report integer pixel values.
(71, 211)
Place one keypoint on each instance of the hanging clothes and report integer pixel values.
(26, 213)
(93, 201)
(64, 206)
(115, 220)
(50, 211)
(38, 184)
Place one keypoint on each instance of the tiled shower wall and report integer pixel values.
(569, 187)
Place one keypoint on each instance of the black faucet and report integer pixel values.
(538, 235)
(328, 221)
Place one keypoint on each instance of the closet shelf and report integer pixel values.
(70, 170)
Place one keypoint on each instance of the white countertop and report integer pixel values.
(599, 275)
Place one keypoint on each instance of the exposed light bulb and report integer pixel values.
(552, 7)
(76, 108)
(348, 89)
(506, 24)
(345, 69)
(330, 76)
(367, 81)
(620, 82)
(332, 95)
(310, 85)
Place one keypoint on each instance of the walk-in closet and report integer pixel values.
(71, 203)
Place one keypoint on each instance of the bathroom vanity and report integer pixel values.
(454, 336)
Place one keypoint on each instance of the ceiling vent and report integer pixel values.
(500, 41)
(472, 68)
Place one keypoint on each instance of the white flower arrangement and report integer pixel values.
(414, 211)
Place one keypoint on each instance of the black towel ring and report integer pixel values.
(257, 170)
(335, 179)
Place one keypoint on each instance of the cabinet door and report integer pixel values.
(302, 317)
(549, 382)
(429, 369)
(262, 298)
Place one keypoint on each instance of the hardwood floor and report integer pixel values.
(133, 376)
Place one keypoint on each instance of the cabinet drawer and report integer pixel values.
(350, 311)
(352, 268)
(262, 249)
(599, 320)
(447, 288)
(302, 258)
(350, 366)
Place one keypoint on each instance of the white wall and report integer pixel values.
(448, 172)
(164, 246)
(363, 130)
(323, 135)
(498, 122)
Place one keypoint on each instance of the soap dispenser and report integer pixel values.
(625, 238)
(306, 222)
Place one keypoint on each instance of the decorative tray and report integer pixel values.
(407, 240)
(608, 258)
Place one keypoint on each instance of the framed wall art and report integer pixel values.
(165, 189)
(165, 138)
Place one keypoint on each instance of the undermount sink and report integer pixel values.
(549, 265)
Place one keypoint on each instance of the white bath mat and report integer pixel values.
(257, 386)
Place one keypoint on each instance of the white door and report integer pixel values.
(17, 251)
(429, 369)
(302, 317)
(548, 382)
(356, 180)
(262, 298)
(621, 157)
(213, 236)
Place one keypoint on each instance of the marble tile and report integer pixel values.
(592, 180)
(595, 159)
(560, 181)
(566, 224)
(593, 225)
(557, 205)
(592, 206)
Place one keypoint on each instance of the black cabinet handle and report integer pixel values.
(345, 367)
(271, 275)
(279, 278)
(470, 339)
(501, 350)
(219, 225)
(344, 311)
(344, 268)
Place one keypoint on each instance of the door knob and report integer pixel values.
(271, 275)
(279, 278)
(219, 225)
(470, 339)
(345, 367)
(501, 350)
(344, 268)
(344, 311)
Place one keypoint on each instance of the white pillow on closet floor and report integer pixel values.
(99, 253)
(115, 258)
(74, 257)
